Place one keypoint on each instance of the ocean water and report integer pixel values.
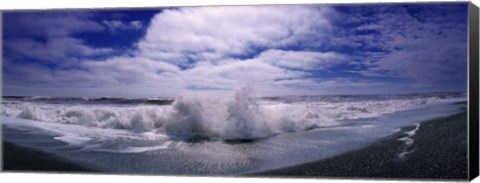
(204, 135)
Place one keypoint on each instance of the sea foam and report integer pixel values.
(243, 115)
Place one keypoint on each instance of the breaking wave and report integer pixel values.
(194, 116)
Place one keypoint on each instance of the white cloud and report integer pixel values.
(54, 49)
(304, 60)
(127, 71)
(302, 83)
(176, 35)
(427, 47)
(118, 25)
(233, 74)
(117, 76)
(49, 36)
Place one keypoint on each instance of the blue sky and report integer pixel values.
(279, 49)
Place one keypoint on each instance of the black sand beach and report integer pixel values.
(440, 153)
(23, 159)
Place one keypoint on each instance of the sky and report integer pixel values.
(277, 49)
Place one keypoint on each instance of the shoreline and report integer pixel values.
(438, 151)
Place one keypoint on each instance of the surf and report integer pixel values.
(239, 117)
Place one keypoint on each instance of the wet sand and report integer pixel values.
(439, 152)
(22, 159)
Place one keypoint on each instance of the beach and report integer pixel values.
(402, 136)
(440, 152)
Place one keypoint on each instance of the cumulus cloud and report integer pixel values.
(177, 35)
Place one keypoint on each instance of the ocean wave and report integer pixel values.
(243, 116)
